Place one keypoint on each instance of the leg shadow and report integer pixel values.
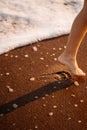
(35, 95)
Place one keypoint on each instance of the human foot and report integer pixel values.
(72, 64)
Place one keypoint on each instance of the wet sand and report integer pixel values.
(31, 97)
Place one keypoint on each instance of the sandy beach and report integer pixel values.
(31, 97)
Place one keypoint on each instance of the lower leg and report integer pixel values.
(76, 36)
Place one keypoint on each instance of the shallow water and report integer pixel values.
(27, 21)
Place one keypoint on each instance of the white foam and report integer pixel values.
(23, 23)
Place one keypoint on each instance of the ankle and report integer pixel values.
(68, 56)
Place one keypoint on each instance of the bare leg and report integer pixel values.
(76, 36)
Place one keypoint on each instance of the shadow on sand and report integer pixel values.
(35, 95)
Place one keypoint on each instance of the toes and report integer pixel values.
(80, 73)
(83, 74)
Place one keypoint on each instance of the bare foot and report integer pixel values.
(72, 64)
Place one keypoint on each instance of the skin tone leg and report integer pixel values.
(78, 31)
